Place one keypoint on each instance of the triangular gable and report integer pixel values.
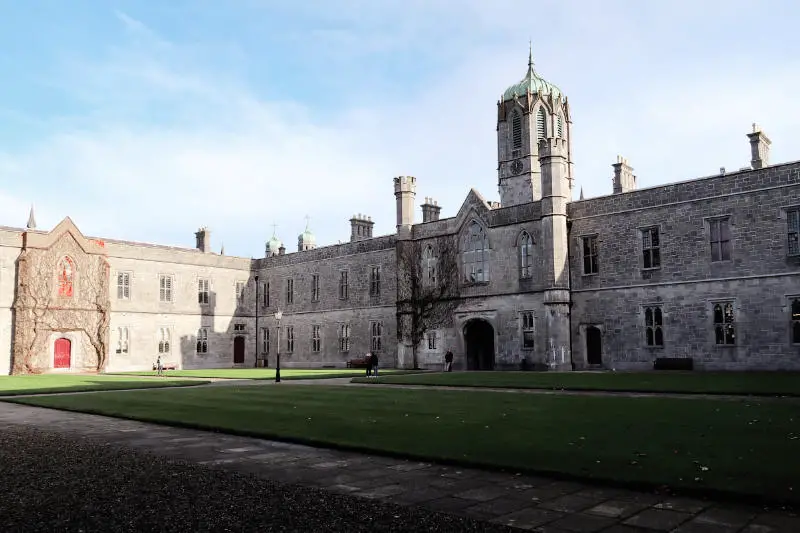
(46, 240)
(474, 206)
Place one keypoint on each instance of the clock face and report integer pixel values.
(516, 167)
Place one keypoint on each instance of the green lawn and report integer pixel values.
(46, 383)
(745, 447)
(760, 383)
(263, 373)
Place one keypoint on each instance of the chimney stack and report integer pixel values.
(360, 227)
(203, 236)
(759, 148)
(624, 180)
(430, 210)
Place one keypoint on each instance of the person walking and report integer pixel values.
(159, 366)
(368, 359)
(375, 365)
(448, 361)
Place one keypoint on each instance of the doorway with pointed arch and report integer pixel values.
(62, 353)
(479, 342)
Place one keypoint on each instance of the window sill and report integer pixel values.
(654, 347)
(726, 345)
(528, 348)
(590, 274)
(650, 269)
(474, 283)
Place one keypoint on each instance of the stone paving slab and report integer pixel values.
(525, 502)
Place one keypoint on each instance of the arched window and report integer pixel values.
(516, 130)
(654, 326)
(202, 340)
(428, 267)
(122, 340)
(475, 248)
(541, 124)
(724, 323)
(163, 340)
(66, 277)
(560, 125)
(525, 256)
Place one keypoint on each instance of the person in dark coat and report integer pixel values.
(375, 365)
(448, 361)
(368, 359)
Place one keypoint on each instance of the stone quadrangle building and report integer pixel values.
(707, 269)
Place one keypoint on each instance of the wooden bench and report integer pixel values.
(166, 366)
(673, 363)
(360, 362)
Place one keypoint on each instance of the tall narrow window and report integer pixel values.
(516, 130)
(289, 291)
(316, 338)
(203, 291)
(525, 256)
(266, 294)
(560, 125)
(720, 239)
(164, 340)
(653, 326)
(375, 281)
(475, 248)
(429, 267)
(541, 124)
(240, 292)
(66, 277)
(265, 341)
(795, 311)
(289, 339)
(123, 286)
(793, 235)
(590, 255)
(528, 331)
(431, 340)
(651, 248)
(724, 324)
(315, 288)
(202, 340)
(122, 340)
(165, 288)
(344, 337)
(377, 336)
(343, 286)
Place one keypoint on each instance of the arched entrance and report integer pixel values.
(62, 353)
(594, 346)
(238, 350)
(479, 339)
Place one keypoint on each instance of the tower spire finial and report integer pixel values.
(308, 218)
(31, 219)
(274, 229)
(530, 54)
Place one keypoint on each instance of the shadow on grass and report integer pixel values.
(89, 384)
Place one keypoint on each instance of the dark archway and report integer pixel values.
(479, 340)
(238, 350)
(594, 346)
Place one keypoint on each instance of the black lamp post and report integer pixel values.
(278, 316)
(256, 334)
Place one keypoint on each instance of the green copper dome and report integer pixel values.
(532, 82)
(274, 244)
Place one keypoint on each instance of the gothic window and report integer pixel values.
(290, 291)
(516, 130)
(431, 340)
(266, 294)
(653, 326)
(164, 340)
(375, 281)
(793, 235)
(651, 248)
(475, 254)
(343, 286)
(560, 125)
(429, 267)
(66, 277)
(344, 337)
(203, 286)
(315, 288)
(289, 339)
(316, 338)
(238, 327)
(240, 292)
(527, 330)
(795, 310)
(720, 239)
(122, 340)
(377, 336)
(724, 324)
(590, 255)
(123, 286)
(265, 341)
(525, 256)
(202, 340)
(541, 124)
(165, 288)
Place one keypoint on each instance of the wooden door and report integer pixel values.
(63, 353)
(238, 350)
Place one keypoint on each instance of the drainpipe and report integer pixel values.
(569, 277)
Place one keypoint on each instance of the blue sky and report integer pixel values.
(144, 120)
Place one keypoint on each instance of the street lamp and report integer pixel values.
(278, 316)
(256, 334)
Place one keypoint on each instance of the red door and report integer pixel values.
(63, 353)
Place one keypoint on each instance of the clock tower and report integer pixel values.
(529, 111)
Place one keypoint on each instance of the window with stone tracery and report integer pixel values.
(429, 267)
(724, 324)
(164, 336)
(122, 340)
(202, 340)
(525, 256)
(66, 277)
(475, 254)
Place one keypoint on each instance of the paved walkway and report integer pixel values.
(524, 502)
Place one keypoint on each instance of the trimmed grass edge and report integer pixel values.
(377, 381)
(87, 389)
(332, 375)
(707, 493)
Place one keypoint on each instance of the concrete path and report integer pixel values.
(524, 502)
